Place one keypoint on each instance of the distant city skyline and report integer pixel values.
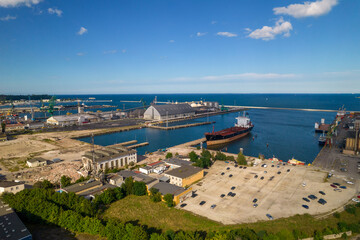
(124, 47)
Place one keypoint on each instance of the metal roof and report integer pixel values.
(184, 171)
(108, 153)
(176, 161)
(78, 187)
(11, 227)
(173, 109)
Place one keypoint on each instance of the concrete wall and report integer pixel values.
(182, 196)
(190, 180)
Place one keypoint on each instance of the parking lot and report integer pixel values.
(280, 197)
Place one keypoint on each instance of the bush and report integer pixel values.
(193, 156)
(336, 215)
(220, 156)
(139, 189)
(155, 195)
(65, 181)
(44, 184)
(350, 209)
(169, 200)
(169, 155)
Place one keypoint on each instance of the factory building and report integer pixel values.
(109, 157)
(179, 193)
(11, 187)
(167, 111)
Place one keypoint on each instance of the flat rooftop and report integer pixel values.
(184, 171)
(108, 153)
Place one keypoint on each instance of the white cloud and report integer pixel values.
(307, 9)
(18, 3)
(200, 34)
(80, 54)
(7, 18)
(56, 11)
(123, 51)
(241, 76)
(110, 51)
(247, 29)
(171, 41)
(82, 31)
(213, 22)
(268, 33)
(226, 34)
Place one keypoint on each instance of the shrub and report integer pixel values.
(241, 159)
(169, 155)
(169, 200)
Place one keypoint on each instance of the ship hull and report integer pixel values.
(211, 141)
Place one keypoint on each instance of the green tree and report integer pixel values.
(206, 154)
(220, 156)
(156, 236)
(241, 159)
(169, 200)
(139, 188)
(155, 195)
(43, 184)
(169, 155)
(3, 126)
(128, 186)
(65, 181)
(193, 156)
(230, 158)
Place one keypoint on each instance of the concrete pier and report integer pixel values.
(181, 126)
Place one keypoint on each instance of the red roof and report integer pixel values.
(154, 163)
(137, 172)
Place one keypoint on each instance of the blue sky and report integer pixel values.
(248, 46)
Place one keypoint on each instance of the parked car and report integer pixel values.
(322, 201)
(235, 165)
(322, 193)
(240, 166)
(312, 197)
(262, 178)
(229, 193)
(255, 200)
(265, 171)
(233, 187)
(222, 173)
(213, 206)
(233, 194)
(230, 175)
(343, 187)
(256, 176)
(269, 216)
(332, 185)
(337, 190)
(306, 199)
(349, 182)
(305, 206)
(356, 200)
(183, 205)
(245, 167)
(255, 205)
(228, 168)
(288, 170)
(278, 172)
(222, 195)
(337, 184)
(202, 203)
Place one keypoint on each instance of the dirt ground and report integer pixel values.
(280, 197)
(14, 153)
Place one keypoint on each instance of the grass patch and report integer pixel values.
(157, 215)
(47, 140)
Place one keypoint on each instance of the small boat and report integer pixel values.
(322, 139)
(241, 129)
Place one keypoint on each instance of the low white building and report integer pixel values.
(73, 119)
(167, 111)
(36, 162)
(11, 187)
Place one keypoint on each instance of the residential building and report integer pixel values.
(11, 187)
(167, 111)
(185, 175)
(14, 127)
(11, 227)
(109, 157)
(36, 162)
(179, 193)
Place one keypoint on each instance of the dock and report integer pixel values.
(181, 126)
(125, 143)
(138, 145)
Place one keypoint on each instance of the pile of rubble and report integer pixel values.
(52, 172)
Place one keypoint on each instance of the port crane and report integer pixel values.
(51, 106)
